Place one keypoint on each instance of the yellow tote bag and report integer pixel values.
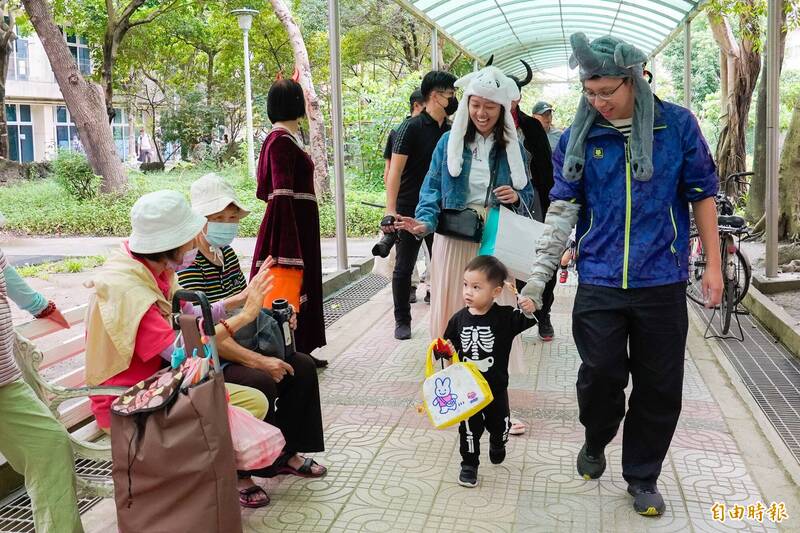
(455, 393)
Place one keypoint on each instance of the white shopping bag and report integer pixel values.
(511, 238)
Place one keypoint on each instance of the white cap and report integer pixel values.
(211, 194)
(161, 221)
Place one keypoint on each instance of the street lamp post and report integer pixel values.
(245, 18)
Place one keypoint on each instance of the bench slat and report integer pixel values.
(74, 378)
(76, 413)
(65, 350)
(36, 329)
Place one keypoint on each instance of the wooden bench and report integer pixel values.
(67, 396)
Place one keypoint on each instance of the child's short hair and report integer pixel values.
(493, 268)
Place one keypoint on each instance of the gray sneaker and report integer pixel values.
(647, 501)
(589, 466)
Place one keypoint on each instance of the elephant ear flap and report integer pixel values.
(582, 53)
(626, 55)
(573, 61)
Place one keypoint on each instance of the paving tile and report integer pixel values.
(356, 518)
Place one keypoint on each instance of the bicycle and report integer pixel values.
(736, 269)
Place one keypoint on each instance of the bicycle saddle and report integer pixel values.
(731, 221)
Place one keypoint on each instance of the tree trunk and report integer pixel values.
(743, 65)
(758, 184)
(109, 55)
(316, 122)
(789, 213)
(84, 100)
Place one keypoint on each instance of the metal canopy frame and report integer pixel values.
(538, 30)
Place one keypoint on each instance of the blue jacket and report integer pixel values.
(440, 190)
(631, 233)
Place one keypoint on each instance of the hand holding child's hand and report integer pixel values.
(527, 305)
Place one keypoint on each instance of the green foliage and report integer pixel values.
(190, 122)
(705, 63)
(41, 208)
(73, 173)
(371, 111)
(72, 265)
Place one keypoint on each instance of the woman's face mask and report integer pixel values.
(188, 259)
(221, 234)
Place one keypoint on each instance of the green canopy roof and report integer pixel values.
(538, 30)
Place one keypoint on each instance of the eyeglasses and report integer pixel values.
(602, 95)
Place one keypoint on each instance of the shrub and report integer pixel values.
(155, 166)
(74, 174)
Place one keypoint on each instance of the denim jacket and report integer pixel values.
(440, 190)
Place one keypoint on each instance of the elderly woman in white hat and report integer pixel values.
(290, 378)
(128, 333)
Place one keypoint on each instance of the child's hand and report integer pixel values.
(527, 305)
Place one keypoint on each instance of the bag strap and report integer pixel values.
(429, 359)
(492, 177)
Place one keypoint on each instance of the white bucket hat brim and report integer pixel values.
(211, 194)
(163, 221)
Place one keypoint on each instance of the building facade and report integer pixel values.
(39, 123)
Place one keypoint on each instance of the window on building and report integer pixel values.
(121, 133)
(79, 47)
(18, 60)
(66, 132)
(20, 132)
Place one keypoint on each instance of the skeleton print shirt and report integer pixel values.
(486, 339)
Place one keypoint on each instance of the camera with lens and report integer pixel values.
(384, 246)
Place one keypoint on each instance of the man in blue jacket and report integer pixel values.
(626, 171)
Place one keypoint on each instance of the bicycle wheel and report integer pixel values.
(743, 274)
(697, 266)
(728, 304)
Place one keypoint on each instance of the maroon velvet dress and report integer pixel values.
(290, 229)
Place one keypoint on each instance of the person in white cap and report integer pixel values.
(290, 378)
(128, 332)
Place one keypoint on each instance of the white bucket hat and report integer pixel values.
(211, 194)
(161, 221)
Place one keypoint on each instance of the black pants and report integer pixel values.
(548, 296)
(407, 253)
(641, 332)
(495, 418)
(294, 404)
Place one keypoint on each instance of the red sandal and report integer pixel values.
(245, 499)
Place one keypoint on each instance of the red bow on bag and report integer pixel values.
(442, 350)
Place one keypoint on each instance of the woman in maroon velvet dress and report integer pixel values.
(290, 229)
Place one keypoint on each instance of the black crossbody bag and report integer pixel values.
(466, 224)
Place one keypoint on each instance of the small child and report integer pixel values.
(482, 333)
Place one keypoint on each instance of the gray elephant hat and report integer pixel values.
(610, 57)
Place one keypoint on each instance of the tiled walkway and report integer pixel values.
(391, 471)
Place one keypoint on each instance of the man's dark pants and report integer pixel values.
(405, 261)
(641, 332)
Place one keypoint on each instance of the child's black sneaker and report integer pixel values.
(497, 454)
(647, 501)
(590, 466)
(468, 476)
